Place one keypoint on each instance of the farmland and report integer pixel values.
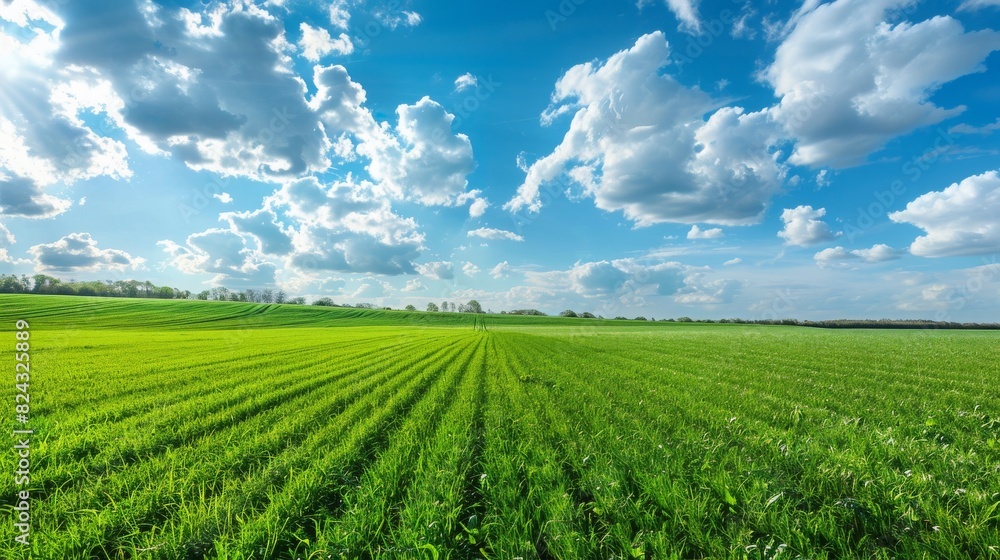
(222, 430)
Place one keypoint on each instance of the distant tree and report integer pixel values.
(461, 308)
(568, 313)
(280, 297)
(432, 307)
(620, 318)
(684, 320)
(324, 302)
(587, 315)
(203, 295)
(297, 301)
(473, 306)
(640, 318)
(267, 295)
(410, 308)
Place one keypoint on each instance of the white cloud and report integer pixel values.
(822, 179)
(501, 270)
(972, 5)
(441, 270)
(393, 18)
(342, 228)
(340, 16)
(628, 281)
(224, 198)
(960, 220)
(802, 226)
(839, 257)
(732, 262)
(878, 253)
(698, 233)
(6, 237)
(493, 233)
(221, 253)
(372, 288)
(478, 207)
(470, 270)
(638, 142)
(23, 197)
(849, 81)
(78, 252)
(465, 81)
(686, 12)
(414, 286)
(272, 237)
(82, 201)
(317, 43)
(969, 129)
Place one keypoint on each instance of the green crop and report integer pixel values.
(174, 429)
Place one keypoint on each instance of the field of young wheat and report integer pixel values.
(214, 430)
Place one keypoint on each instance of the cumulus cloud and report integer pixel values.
(732, 262)
(272, 237)
(317, 43)
(22, 197)
(493, 233)
(342, 227)
(223, 254)
(214, 86)
(849, 80)
(803, 226)
(960, 220)
(698, 233)
(638, 142)
(421, 160)
(839, 257)
(470, 269)
(224, 198)
(465, 81)
(439, 270)
(414, 286)
(78, 252)
(628, 280)
(501, 270)
(478, 207)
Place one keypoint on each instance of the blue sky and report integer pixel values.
(662, 158)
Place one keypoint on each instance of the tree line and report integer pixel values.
(44, 284)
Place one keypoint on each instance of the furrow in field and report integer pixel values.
(530, 511)
(368, 517)
(102, 454)
(111, 408)
(286, 437)
(326, 474)
(123, 384)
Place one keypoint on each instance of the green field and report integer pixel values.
(174, 429)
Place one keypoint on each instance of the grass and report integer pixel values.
(171, 429)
